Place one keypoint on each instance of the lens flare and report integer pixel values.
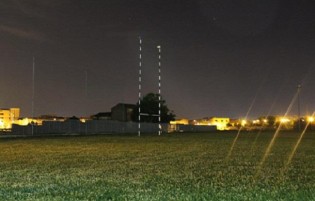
(297, 144)
(267, 152)
(233, 144)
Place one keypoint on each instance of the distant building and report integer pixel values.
(122, 112)
(39, 120)
(26, 121)
(175, 125)
(102, 116)
(220, 122)
(8, 117)
(51, 118)
(234, 124)
(180, 121)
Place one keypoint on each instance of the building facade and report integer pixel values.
(8, 117)
(220, 122)
(122, 112)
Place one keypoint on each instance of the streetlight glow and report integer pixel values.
(310, 119)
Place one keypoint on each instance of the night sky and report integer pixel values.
(219, 57)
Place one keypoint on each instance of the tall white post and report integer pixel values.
(33, 95)
(298, 103)
(86, 99)
(159, 84)
(140, 74)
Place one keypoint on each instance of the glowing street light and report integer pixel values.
(284, 120)
(243, 122)
(310, 119)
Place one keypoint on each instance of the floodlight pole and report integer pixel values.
(299, 113)
(159, 84)
(33, 94)
(140, 74)
(86, 98)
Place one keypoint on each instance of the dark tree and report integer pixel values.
(150, 107)
(271, 120)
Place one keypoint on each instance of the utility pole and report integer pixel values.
(33, 95)
(86, 99)
(299, 112)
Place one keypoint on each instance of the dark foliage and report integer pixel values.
(150, 107)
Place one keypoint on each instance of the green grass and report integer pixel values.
(169, 167)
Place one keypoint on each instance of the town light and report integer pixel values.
(310, 119)
(284, 120)
(243, 122)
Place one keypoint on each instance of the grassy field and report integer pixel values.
(169, 167)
